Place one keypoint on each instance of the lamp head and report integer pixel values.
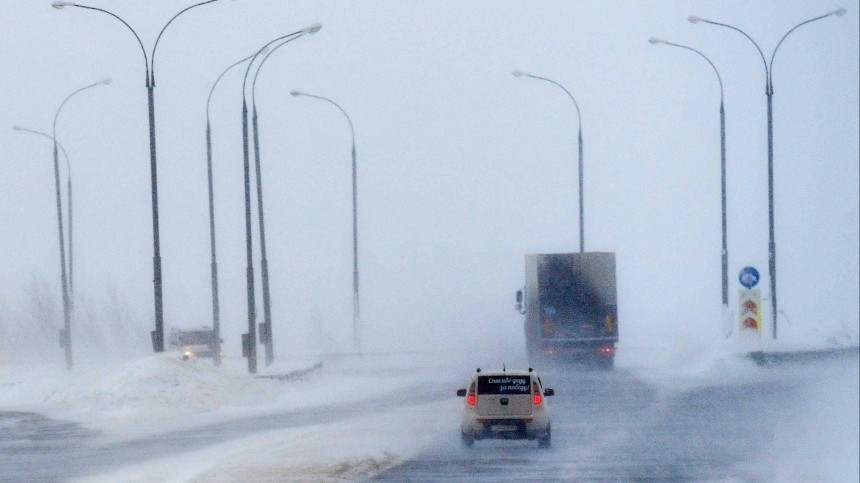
(107, 81)
(694, 19)
(840, 12)
(59, 5)
(655, 41)
(517, 73)
(315, 28)
(295, 93)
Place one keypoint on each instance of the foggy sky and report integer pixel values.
(462, 168)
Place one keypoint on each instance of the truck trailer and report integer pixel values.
(570, 305)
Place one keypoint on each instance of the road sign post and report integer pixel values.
(749, 300)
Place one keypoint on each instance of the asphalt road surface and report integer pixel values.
(612, 426)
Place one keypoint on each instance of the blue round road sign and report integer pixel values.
(749, 277)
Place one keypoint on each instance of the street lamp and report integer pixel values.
(725, 250)
(768, 71)
(71, 239)
(518, 73)
(158, 334)
(356, 316)
(65, 335)
(249, 340)
(216, 312)
(266, 326)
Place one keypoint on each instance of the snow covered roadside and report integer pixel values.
(162, 393)
(347, 450)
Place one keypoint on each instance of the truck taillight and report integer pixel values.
(607, 349)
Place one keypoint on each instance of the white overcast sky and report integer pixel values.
(463, 168)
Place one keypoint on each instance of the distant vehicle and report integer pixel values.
(570, 307)
(505, 405)
(194, 342)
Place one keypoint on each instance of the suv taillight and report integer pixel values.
(471, 397)
(536, 395)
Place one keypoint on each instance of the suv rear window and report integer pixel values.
(504, 384)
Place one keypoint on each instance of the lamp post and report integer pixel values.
(518, 73)
(216, 312)
(71, 239)
(266, 326)
(356, 315)
(725, 250)
(157, 334)
(249, 342)
(65, 335)
(768, 71)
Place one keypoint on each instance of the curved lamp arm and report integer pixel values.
(59, 5)
(40, 133)
(656, 41)
(57, 115)
(312, 29)
(260, 67)
(838, 13)
(351, 129)
(212, 90)
(165, 28)
(518, 73)
(695, 19)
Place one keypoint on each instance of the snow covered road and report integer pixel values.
(715, 418)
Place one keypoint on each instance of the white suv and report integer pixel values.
(505, 405)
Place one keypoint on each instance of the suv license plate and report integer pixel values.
(503, 427)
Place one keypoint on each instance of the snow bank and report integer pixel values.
(127, 397)
(349, 450)
(157, 384)
(125, 400)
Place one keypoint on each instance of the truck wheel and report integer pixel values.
(608, 364)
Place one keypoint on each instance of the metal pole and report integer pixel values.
(518, 73)
(158, 334)
(249, 342)
(67, 326)
(581, 202)
(250, 348)
(725, 249)
(771, 245)
(356, 311)
(216, 311)
(724, 252)
(54, 138)
(71, 248)
(65, 335)
(266, 332)
(266, 328)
